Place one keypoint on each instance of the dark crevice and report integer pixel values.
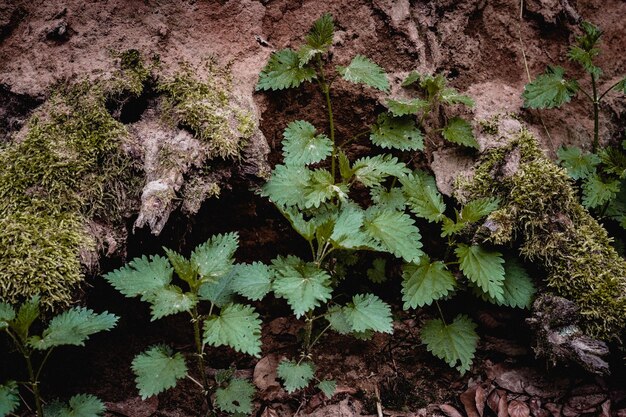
(14, 110)
(128, 108)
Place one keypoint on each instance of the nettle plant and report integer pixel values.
(602, 172)
(209, 276)
(552, 89)
(72, 327)
(314, 189)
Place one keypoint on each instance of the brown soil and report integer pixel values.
(477, 43)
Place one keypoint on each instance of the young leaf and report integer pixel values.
(9, 398)
(73, 327)
(283, 70)
(184, 268)
(141, 276)
(423, 198)
(302, 146)
(328, 387)
(170, 300)
(596, 192)
(479, 208)
(449, 227)
(365, 71)
(302, 284)
(425, 282)
(253, 281)
(578, 165)
(368, 312)
(26, 315)
(214, 258)
(220, 292)
(397, 133)
(347, 232)
(613, 161)
(518, 286)
(455, 343)
(404, 107)
(434, 85)
(411, 79)
(395, 232)
(483, 268)
(452, 96)
(377, 273)
(319, 39)
(236, 397)
(237, 326)
(371, 171)
(82, 405)
(285, 186)
(344, 166)
(295, 376)
(460, 131)
(585, 58)
(157, 370)
(549, 90)
(322, 188)
(7, 314)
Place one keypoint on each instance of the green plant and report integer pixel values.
(552, 89)
(320, 205)
(72, 327)
(209, 275)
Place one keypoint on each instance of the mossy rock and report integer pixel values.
(541, 212)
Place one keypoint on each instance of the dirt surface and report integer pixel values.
(479, 44)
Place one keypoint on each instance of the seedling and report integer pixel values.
(209, 275)
(72, 327)
(553, 89)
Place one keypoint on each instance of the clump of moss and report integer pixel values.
(68, 169)
(540, 208)
(205, 107)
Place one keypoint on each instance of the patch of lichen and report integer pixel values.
(540, 210)
(69, 168)
(205, 107)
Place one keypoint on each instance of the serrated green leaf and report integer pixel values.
(483, 267)
(616, 208)
(253, 281)
(73, 327)
(141, 276)
(479, 208)
(455, 343)
(411, 79)
(302, 146)
(214, 258)
(392, 199)
(237, 326)
(328, 387)
(377, 273)
(302, 284)
(549, 90)
(220, 292)
(284, 188)
(459, 131)
(322, 188)
(158, 369)
(404, 107)
(184, 268)
(338, 321)
(613, 161)
(585, 58)
(591, 35)
(170, 300)
(452, 96)
(371, 171)
(82, 405)
(449, 227)
(425, 282)
(283, 70)
(347, 232)
(434, 85)
(578, 165)
(395, 232)
(318, 40)
(621, 87)
(365, 71)
(596, 192)
(295, 376)
(236, 397)
(397, 133)
(9, 398)
(7, 315)
(519, 289)
(306, 228)
(368, 312)
(26, 315)
(423, 198)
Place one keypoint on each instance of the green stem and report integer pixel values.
(608, 89)
(195, 318)
(43, 362)
(34, 383)
(319, 336)
(596, 111)
(331, 121)
(308, 331)
(441, 314)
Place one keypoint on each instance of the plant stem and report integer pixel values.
(319, 336)
(608, 89)
(331, 121)
(596, 110)
(34, 383)
(308, 330)
(195, 318)
(441, 314)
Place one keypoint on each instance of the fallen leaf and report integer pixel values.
(493, 400)
(468, 398)
(264, 376)
(450, 411)
(269, 412)
(503, 410)
(518, 409)
(480, 399)
(605, 409)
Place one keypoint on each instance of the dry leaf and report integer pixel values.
(606, 409)
(518, 409)
(493, 400)
(468, 398)
(503, 410)
(269, 412)
(450, 411)
(480, 399)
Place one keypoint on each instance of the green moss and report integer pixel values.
(541, 211)
(68, 169)
(205, 107)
